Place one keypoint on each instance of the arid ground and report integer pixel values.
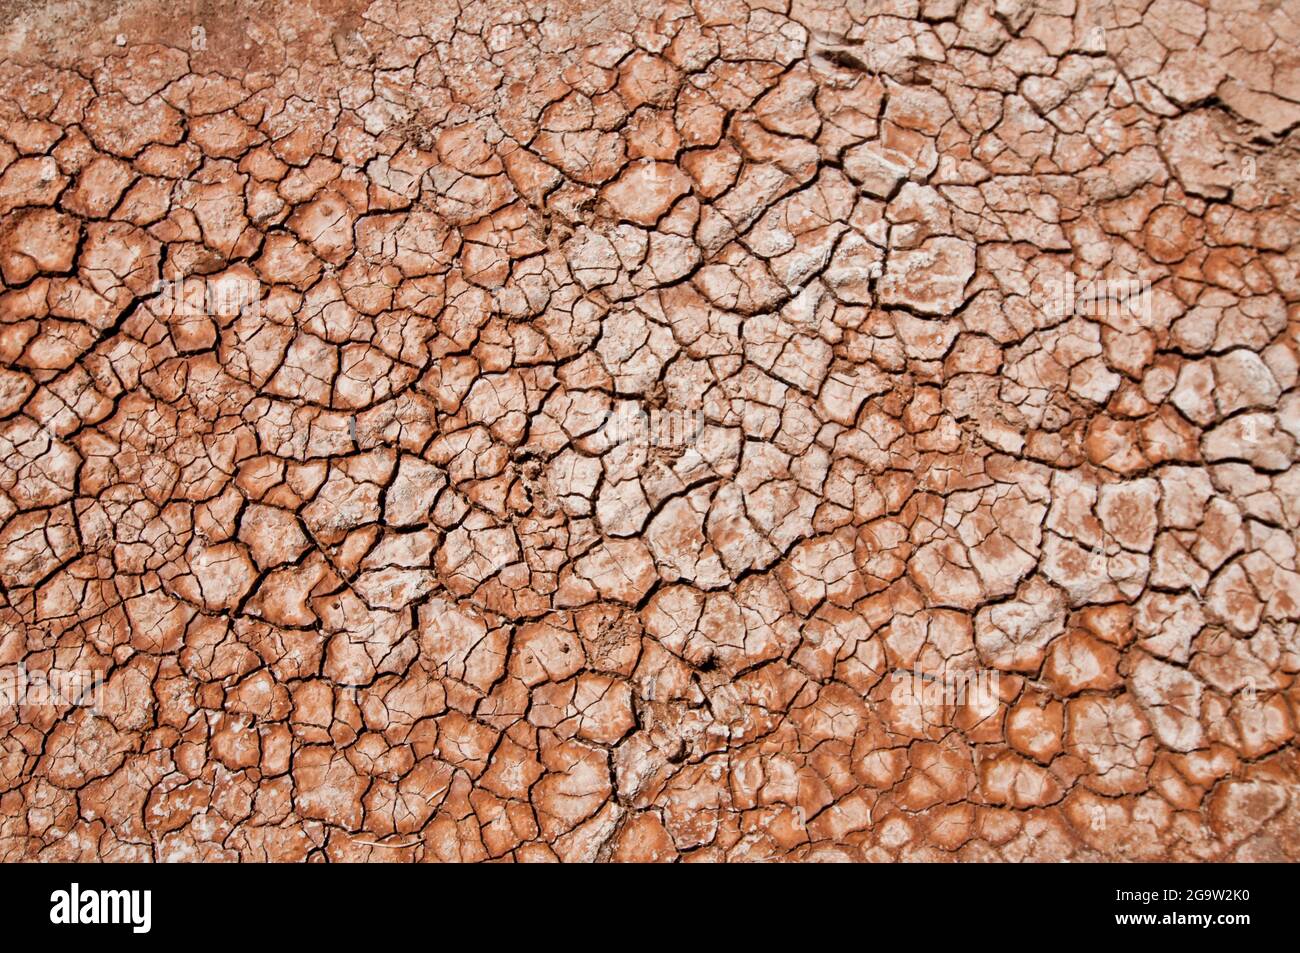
(650, 430)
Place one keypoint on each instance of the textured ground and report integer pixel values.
(614, 430)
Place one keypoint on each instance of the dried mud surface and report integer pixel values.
(651, 430)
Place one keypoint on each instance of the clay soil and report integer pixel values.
(643, 430)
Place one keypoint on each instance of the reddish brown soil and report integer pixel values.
(649, 430)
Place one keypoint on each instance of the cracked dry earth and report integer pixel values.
(368, 575)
